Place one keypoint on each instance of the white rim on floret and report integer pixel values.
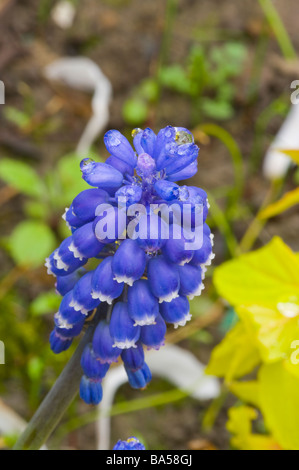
(184, 321)
(127, 280)
(169, 297)
(127, 344)
(61, 322)
(148, 320)
(64, 218)
(75, 251)
(60, 264)
(197, 292)
(78, 307)
(102, 297)
(48, 266)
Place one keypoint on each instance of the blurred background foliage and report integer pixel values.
(223, 71)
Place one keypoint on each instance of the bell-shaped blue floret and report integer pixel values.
(100, 175)
(164, 279)
(185, 173)
(82, 299)
(143, 305)
(66, 283)
(103, 344)
(190, 281)
(130, 444)
(133, 358)
(153, 336)
(85, 203)
(68, 313)
(84, 242)
(122, 328)
(66, 330)
(91, 366)
(91, 390)
(62, 261)
(104, 287)
(204, 255)
(118, 146)
(131, 193)
(129, 262)
(175, 248)
(176, 312)
(71, 219)
(167, 190)
(139, 378)
(59, 343)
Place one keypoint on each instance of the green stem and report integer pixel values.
(57, 400)
(279, 30)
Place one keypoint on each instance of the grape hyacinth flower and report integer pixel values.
(130, 444)
(141, 229)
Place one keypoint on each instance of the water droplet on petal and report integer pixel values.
(183, 137)
(136, 131)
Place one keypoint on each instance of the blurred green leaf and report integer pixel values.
(21, 176)
(149, 90)
(69, 176)
(35, 368)
(135, 111)
(46, 302)
(175, 78)
(31, 242)
(16, 116)
(217, 109)
(36, 209)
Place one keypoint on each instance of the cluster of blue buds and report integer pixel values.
(132, 443)
(131, 222)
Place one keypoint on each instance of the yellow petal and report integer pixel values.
(288, 200)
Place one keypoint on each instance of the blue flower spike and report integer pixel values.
(129, 226)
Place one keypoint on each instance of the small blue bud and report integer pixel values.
(59, 343)
(100, 175)
(143, 305)
(177, 311)
(130, 444)
(104, 287)
(185, 173)
(103, 344)
(163, 278)
(153, 336)
(129, 262)
(148, 141)
(66, 259)
(165, 136)
(122, 328)
(118, 146)
(70, 313)
(146, 165)
(133, 358)
(175, 248)
(139, 378)
(132, 193)
(183, 156)
(120, 165)
(71, 219)
(91, 390)
(167, 190)
(91, 366)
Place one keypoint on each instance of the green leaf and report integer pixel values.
(21, 176)
(16, 116)
(235, 356)
(69, 176)
(217, 109)
(287, 201)
(46, 302)
(279, 397)
(264, 277)
(175, 78)
(30, 243)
